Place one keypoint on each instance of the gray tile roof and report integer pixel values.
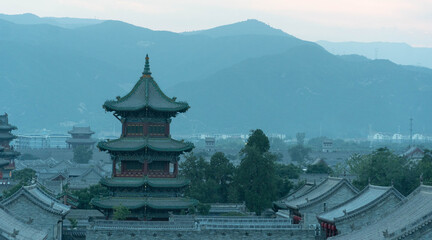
(81, 130)
(137, 143)
(321, 190)
(367, 198)
(39, 197)
(23, 231)
(414, 211)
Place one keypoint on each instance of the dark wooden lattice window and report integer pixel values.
(158, 130)
(133, 165)
(157, 166)
(135, 130)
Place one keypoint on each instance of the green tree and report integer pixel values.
(382, 167)
(256, 175)
(221, 171)
(259, 140)
(424, 167)
(82, 154)
(203, 208)
(73, 222)
(87, 194)
(299, 154)
(320, 167)
(121, 212)
(24, 177)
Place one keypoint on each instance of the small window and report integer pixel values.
(157, 129)
(134, 130)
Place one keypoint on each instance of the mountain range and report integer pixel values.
(235, 78)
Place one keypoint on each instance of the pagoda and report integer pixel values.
(7, 153)
(81, 136)
(145, 157)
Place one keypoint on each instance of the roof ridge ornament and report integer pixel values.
(146, 72)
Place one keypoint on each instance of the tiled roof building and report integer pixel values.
(368, 206)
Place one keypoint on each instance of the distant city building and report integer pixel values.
(145, 158)
(81, 136)
(7, 152)
(36, 141)
(210, 143)
(327, 145)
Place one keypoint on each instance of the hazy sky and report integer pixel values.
(407, 21)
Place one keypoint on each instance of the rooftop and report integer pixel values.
(369, 197)
(12, 228)
(4, 123)
(137, 182)
(414, 211)
(146, 94)
(81, 130)
(319, 191)
(39, 197)
(139, 202)
(137, 143)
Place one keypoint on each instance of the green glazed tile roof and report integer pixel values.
(146, 94)
(137, 143)
(138, 182)
(139, 202)
(6, 135)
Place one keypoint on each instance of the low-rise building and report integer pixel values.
(368, 206)
(412, 219)
(39, 209)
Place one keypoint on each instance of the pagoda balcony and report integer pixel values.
(151, 174)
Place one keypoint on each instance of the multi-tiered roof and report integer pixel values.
(145, 157)
(81, 136)
(7, 153)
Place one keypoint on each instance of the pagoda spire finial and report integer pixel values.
(147, 67)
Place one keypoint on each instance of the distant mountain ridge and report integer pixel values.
(28, 18)
(400, 53)
(53, 77)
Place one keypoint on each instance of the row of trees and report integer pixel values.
(258, 180)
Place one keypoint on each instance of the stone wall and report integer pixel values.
(298, 234)
(309, 213)
(37, 217)
(369, 216)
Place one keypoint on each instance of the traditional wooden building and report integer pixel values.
(18, 229)
(39, 209)
(7, 153)
(411, 219)
(81, 136)
(368, 206)
(306, 206)
(145, 157)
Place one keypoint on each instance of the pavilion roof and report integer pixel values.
(4, 123)
(414, 213)
(23, 231)
(3, 162)
(81, 130)
(139, 202)
(7, 135)
(139, 143)
(318, 192)
(146, 94)
(138, 182)
(40, 198)
(369, 197)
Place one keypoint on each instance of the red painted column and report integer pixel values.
(145, 168)
(175, 169)
(114, 168)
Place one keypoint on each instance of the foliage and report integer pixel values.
(210, 182)
(87, 194)
(203, 208)
(382, 167)
(73, 222)
(121, 212)
(299, 153)
(233, 214)
(424, 167)
(320, 167)
(259, 140)
(289, 171)
(24, 176)
(82, 154)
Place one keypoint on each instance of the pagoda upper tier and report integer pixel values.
(146, 96)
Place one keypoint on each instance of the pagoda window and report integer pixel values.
(133, 165)
(157, 166)
(134, 130)
(156, 130)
